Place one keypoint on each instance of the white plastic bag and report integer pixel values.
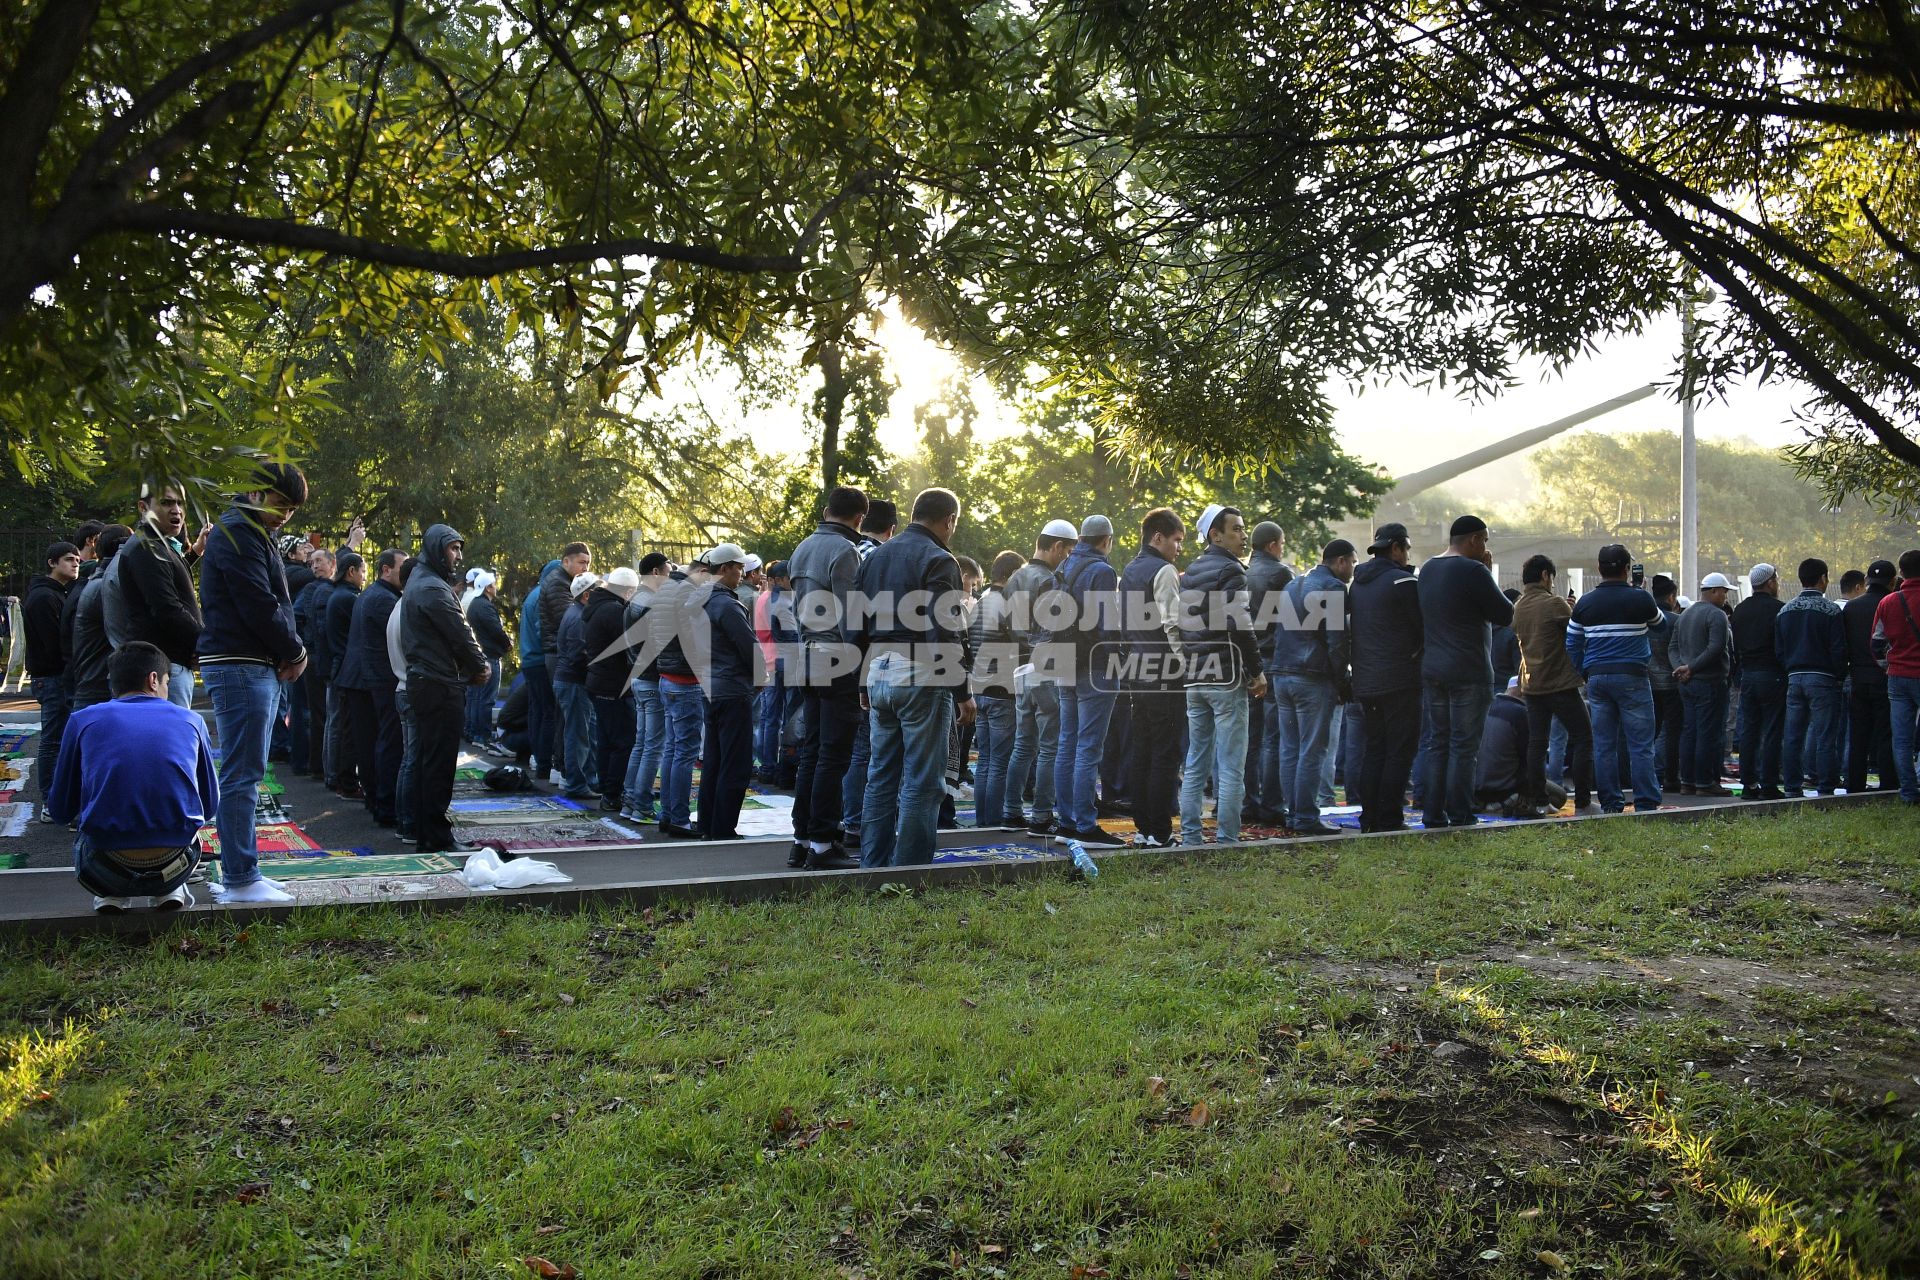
(485, 870)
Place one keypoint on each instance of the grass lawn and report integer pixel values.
(1612, 1049)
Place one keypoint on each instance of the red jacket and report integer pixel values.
(1896, 641)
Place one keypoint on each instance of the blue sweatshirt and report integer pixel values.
(137, 772)
(1609, 632)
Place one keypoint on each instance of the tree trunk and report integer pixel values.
(833, 401)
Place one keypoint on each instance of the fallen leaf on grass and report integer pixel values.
(551, 1229)
(547, 1270)
(1156, 1085)
(269, 1006)
(1200, 1117)
(1090, 1272)
(251, 1192)
(971, 1004)
(1548, 1257)
(565, 998)
(785, 1121)
(992, 1250)
(1528, 1215)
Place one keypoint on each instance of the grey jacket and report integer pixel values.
(1703, 642)
(826, 561)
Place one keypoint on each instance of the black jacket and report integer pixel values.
(1857, 615)
(1754, 645)
(70, 608)
(153, 597)
(569, 665)
(555, 596)
(603, 626)
(91, 649)
(1387, 631)
(310, 613)
(1460, 604)
(340, 626)
(246, 613)
(40, 619)
(1266, 574)
(1214, 595)
(298, 576)
(736, 664)
(437, 642)
(484, 618)
(363, 663)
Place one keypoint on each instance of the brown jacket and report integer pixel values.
(1540, 620)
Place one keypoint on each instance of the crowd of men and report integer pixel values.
(871, 665)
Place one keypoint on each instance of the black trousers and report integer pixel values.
(1386, 759)
(439, 715)
(1669, 717)
(1155, 760)
(613, 733)
(381, 775)
(1566, 706)
(315, 685)
(727, 767)
(832, 721)
(1869, 733)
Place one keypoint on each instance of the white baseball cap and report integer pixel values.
(1715, 580)
(751, 563)
(726, 553)
(1059, 529)
(584, 583)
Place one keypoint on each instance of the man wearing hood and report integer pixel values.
(46, 664)
(443, 657)
(248, 645)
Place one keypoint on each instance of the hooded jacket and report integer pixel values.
(603, 625)
(246, 613)
(150, 596)
(434, 634)
(1540, 619)
(364, 663)
(1318, 645)
(533, 652)
(1387, 633)
(40, 620)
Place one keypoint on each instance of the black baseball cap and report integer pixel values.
(1881, 571)
(1386, 536)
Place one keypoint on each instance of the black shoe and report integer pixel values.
(1039, 828)
(834, 859)
(1315, 828)
(1112, 808)
(458, 846)
(673, 832)
(797, 855)
(609, 804)
(1095, 838)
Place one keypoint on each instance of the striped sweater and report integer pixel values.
(1608, 633)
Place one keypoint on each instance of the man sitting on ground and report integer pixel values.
(136, 775)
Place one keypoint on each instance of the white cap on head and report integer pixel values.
(583, 583)
(622, 580)
(1095, 527)
(751, 563)
(1059, 529)
(1207, 518)
(1760, 573)
(1684, 602)
(480, 579)
(725, 553)
(1715, 581)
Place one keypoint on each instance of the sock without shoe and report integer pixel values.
(258, 891)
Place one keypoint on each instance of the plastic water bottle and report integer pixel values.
(1082, 860)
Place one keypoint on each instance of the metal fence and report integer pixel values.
(23, 554)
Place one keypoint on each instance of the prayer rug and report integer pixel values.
(349, 866)
(14, 741)
(515, 804)
(271, 837)
(1000, 853)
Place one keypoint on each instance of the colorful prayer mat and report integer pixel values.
(14, 741)
(271, 837)
(998, 853)
(515, 804)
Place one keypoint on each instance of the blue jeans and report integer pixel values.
(578, 772)
(245, 697)
(180, 694)
(1084, 713)
(104, 876)
(853, 794)
(770, 720)
(1457, 710)
(1763, 711)
(993, 737)
(1217, 746)
(409, 762)
(1336, 735)
(1812, 741)
(541, 713)
(1703, 737)
(641, 791)
(1273, 784)
(56, 704)
(1036, 746)
(1903, 701)
(480, 704)
(908, 730)
(1622, 707)
(686, 709)
(1304, 708)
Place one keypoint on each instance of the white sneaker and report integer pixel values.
(1147, 842)
(181, 897)
(111, 906)
(258, 891)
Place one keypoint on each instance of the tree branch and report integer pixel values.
(35, 94)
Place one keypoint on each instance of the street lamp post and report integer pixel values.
(1689, 466)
